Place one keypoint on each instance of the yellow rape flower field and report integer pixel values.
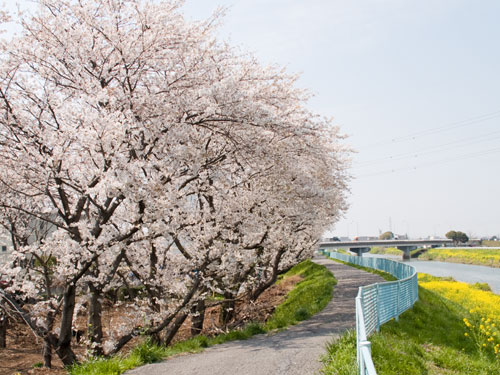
(483, 323)
(484, 257)
(483, 302)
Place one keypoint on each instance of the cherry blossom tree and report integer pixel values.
(158, 157)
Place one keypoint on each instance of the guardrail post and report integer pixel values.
(378, 307)
(366, 367)
(364, 344)
(397, 301)
(358, 330)
(416, 286)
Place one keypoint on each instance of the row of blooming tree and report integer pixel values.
(137, 150)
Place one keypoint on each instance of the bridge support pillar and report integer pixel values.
(359, 250)
(406, 251)
(406, 254)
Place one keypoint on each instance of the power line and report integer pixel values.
(440, 129)
(432, 149)
(433, 163)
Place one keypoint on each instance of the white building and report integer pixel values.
(5, 245)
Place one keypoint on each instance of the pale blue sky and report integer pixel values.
(416, 86)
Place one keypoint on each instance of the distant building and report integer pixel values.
(38, 230)
(5, 245)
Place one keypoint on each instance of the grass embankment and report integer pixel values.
(452, 329)
(308, 297)
(386, 250)
(490, 243)
(484, 257)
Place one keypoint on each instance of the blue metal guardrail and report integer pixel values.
(378, 303)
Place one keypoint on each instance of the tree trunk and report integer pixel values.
(198, 318)
(275, 272)
(122, 341)
(47, 353)
(63, 348)
(95, 321)
(3, 328)
(174, 328)
(227, 309)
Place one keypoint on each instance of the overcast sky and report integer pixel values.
(415, 84)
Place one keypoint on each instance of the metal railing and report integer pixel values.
(378, 303)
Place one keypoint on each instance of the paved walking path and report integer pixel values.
(291, 352)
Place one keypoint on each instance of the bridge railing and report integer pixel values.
(378, 303)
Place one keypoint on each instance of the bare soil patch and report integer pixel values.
(24, 350)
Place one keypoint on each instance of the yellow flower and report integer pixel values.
(466, 334)
(487, 304)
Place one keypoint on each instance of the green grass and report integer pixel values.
(386, 250)
(308, 297)
(341, 356)
(428, 339)
(486, 256)
(490, 243)
(343, 251)
(395, 251)
(146, 352)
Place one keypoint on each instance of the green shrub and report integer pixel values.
(301, 314)
(147, 352)
(482, 286)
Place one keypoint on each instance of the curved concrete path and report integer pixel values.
(292, 352)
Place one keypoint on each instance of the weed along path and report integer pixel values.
(294, 351)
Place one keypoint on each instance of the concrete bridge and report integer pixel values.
(360, 247)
